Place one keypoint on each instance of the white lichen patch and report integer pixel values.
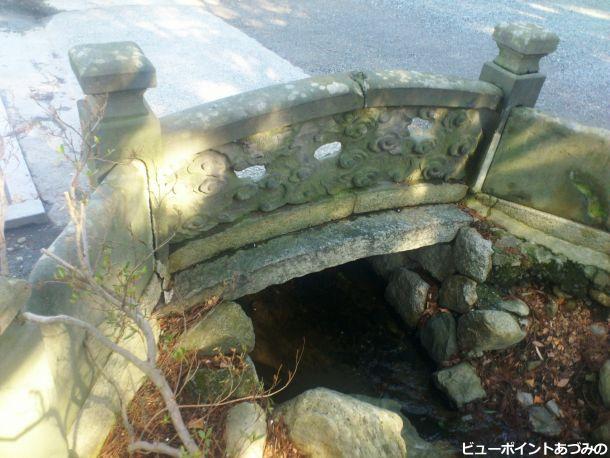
(254, 173)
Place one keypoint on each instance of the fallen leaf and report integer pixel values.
(195, 423)
(563, 382)
(537, 400)
(530, 382)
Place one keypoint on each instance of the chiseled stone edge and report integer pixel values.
(294, 255)
(392, 88)
(263, 226)
(579, 243)
(216, 123)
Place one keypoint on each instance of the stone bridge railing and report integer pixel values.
(179, 192)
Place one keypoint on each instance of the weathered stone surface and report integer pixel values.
(116, 388)
(600, 297)
(260, 227)
(245, 431)
(577, 242)
(13, 295)
(460, 384)
(544, 422)
(519, 90)
(118, 228)
(213, 385)
(472, 254)
(604, 383)
(435, 259)
(111, 67)
(222, 329)
(324, 423)
(403, 87)
(380, 149)
(525, 399)
(552, 406)
(458, 293)
(527, 169)
(386, 264)
(522, 46)
(514, 306)
(438, 337)
(408, 294)
(416, 446)
(276, 261)
(231, 118)
(482, 330)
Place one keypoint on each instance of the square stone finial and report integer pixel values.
(522, 46)
(112, 67)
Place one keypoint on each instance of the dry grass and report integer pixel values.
(567, 354)
(147, 413)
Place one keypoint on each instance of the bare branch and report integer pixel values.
(154, 447)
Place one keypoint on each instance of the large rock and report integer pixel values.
(234, 382)
(472, 254)
(460, 384)
(482, 330)
(245, 431)
(408, 294)
(13, 294)
(386, 264)
(604, 383)
(326, 424)
(438, 337)
(458, 293)
(435, 259)
(542, 421)
(514, 306)
(416, 446)
(222, 329)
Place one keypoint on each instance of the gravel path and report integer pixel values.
(449, 37)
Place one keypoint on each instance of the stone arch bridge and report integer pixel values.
(226, 198)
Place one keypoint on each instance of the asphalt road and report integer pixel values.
(449, 37)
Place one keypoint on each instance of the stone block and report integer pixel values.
(324, 423)
(472, 254)
(554, 166)
(483, 330)
(519, 90)
(276, 261)
(437, 260)
(111, 67)
(13, 295)
(408, 294)
(460, 384)
(224, 328)
(407, 88)
(458, 293)
(522, 46)
(438, 337)
(245, 431)
(216, 123)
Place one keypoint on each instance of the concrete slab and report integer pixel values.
(24, 205)
(198, 58)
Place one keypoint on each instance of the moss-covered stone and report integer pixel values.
(224, 328)
(213, 385)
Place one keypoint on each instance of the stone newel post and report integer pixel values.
(114, 77)
(515, 70)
